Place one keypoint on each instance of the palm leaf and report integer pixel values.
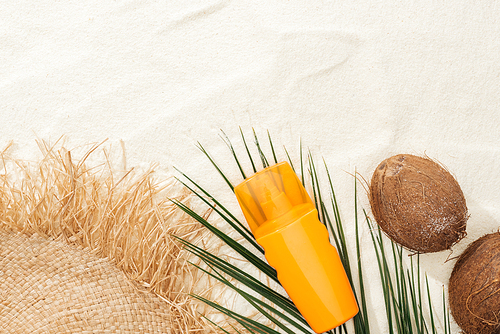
(260, 305)
(248, 151)
(202, 149)
(233, 152)
(236, 246)
(402, 290)
(401, 286)
(263, 158)
(222, 211)
(246, 280)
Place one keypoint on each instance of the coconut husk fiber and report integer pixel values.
(88, 248)
(418, 203)
(474, 287)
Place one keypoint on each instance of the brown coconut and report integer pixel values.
(418, 203)
(474, 287)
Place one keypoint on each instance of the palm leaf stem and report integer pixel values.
(222, 329)
(245, 279)
(263, 158)
(233, 152)
(251, 325)
(383, 277)
(248, 151)
(339, 228)
(240, 249)
(363, 326)
(256, 303)
(431, 313)
(415, 303)
(225, 214)
(302, 172)
(289, 159)
(202, 149)
(360, 320)
(272, 147)
(401, 287)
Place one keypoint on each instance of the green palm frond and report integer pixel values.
(402, 290)
(402, 285)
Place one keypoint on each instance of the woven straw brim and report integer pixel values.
(88, 249)
(50, 287)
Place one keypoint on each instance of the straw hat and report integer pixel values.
(50, 287)
(90, 250)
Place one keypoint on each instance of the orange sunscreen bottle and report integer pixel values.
(285, 223)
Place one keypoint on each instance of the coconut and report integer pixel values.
(474, 287)
(418, 203)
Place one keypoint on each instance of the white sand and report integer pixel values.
(357, 82)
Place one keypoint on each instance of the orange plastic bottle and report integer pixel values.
(285, 223)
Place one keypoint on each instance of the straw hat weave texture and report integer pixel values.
(85, 248)
(50, 287)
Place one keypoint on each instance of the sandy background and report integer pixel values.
(357, 81)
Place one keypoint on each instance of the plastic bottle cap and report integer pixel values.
(272, 198)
